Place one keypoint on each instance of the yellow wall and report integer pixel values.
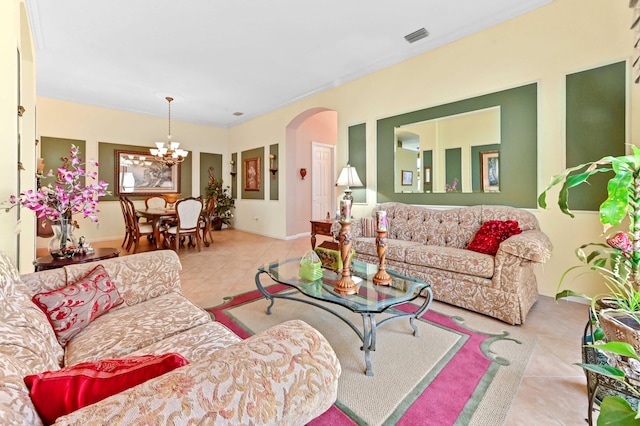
(93, 124)
(541, 46)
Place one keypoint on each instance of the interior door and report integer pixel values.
(322, 197)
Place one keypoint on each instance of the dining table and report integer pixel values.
(158, 215)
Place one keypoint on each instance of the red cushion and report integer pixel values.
(56, 393)
(491, 234)
(70, 309)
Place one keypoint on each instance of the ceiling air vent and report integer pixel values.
(416, 35)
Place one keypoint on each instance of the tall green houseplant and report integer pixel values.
(617, 261)
(222, 212)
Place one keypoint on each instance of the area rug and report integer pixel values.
(451, 374)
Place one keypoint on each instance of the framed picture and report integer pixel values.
(252, 174)
(139, 173)
(490, 171)
(427, 175)
(407, 178)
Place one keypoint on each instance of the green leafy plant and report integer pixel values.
(224, 202)
(618, 260)
(615, 410)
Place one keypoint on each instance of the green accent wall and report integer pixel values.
(476, 185)
(107, 169)
(52, 150)
(519, 140)
(453, 166)
(427, 161)
(252, 153)
(234, 179)
(209, 160)
(596, 112)
(274, 179)
(358, 159)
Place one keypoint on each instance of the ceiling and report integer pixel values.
(219, 57)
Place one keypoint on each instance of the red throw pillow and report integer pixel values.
(70, 309)
(491, 234)
(56, 393)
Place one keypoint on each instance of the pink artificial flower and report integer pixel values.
(621, 241)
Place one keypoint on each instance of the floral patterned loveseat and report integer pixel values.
(286, 375)
(430, 244)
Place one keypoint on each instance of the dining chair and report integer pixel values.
(205, 221)
(137, 229)
(127, 226)
(155, 202)
(188, 211)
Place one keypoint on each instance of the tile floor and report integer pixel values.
(553, 391)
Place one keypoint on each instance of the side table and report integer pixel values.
(322, 227)
(48, 262)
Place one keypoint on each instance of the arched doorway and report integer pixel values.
(315, 127)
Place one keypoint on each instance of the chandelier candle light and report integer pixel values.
(381, 277)
(345, 285)
(171, 154)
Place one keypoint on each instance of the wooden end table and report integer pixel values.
(322, 227)
(48, 262)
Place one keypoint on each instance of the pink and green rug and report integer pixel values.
(452, 374)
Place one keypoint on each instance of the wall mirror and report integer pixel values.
(455, 153)
(493, 164)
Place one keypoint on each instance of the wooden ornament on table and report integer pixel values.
(345, 286)
(381, 277)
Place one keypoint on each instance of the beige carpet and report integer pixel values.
(404, 365)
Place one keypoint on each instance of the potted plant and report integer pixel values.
(615, 410)
(618, 259)
(222, 213)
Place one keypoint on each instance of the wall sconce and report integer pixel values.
(303, 173)
(233, 168)
(273, 168)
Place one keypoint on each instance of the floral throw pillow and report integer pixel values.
(70, 309)
(56, 393)
(491, 234)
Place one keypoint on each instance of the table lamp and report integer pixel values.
(348, 177)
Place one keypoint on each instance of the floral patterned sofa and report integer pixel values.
(430, 244)
(286, 375)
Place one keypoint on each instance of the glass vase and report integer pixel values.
(63, 243)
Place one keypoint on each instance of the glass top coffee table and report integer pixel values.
(370, 299)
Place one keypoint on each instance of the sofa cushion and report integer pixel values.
(56, 393)
(452, 259)
(396, 249)
(493, 232)
(70, 309)
(124, 331)
(194, 344)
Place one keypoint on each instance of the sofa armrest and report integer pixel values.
(286, 375)
(532, 245)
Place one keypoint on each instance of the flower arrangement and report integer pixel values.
(58, 203)
(453, 187)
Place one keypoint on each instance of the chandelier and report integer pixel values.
(171, 154)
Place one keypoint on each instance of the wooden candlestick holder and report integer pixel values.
(345, 285)
(381, 277)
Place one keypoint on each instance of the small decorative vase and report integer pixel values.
(63, 243)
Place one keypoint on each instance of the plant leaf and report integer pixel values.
(620, 348)
(605, 370)
(615, 410)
